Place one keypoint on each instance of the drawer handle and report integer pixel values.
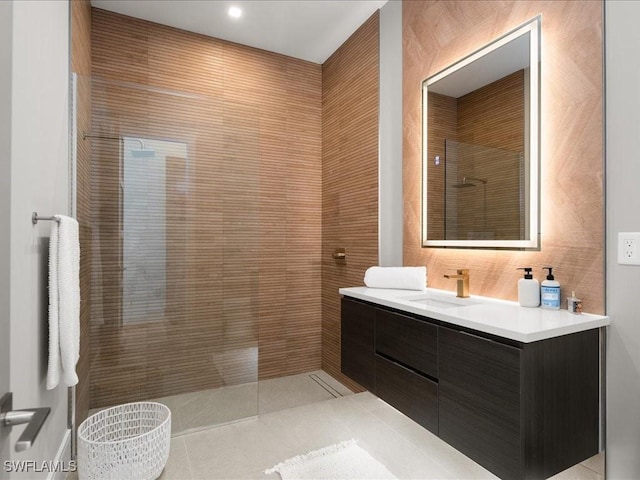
(473, 335)
(403, 365)
(496, 342)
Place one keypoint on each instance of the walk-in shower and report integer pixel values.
(174, 252)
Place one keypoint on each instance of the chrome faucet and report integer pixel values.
(462, 278)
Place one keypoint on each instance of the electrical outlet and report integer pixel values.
(629, 248)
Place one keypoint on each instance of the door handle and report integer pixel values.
(34, 417)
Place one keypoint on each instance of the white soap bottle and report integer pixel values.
(528, 289)
(550, 291)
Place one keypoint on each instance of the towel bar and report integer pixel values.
(35, 218)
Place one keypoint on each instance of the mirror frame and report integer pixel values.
(532, 218)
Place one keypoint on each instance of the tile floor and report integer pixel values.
(206, 408)
(289, 424)
(197, 410)
(309, 411)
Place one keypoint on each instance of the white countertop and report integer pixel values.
(497, 317)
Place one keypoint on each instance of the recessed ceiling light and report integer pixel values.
(235, 12)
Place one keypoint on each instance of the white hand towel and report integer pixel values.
(64, 302)
(405, 278)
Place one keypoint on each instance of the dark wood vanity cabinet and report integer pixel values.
(356, 346)
(480, 408)
(407, 340)
(521, 410)
(393, 356)
(406, 366)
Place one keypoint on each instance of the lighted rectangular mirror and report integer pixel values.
(480, 152)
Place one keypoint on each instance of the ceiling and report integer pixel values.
(491, 66)
(308, 29)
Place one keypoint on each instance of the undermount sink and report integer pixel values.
(438, 301)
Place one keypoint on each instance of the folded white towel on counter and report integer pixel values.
(64, 302)
(404, 278)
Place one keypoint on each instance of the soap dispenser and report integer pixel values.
(528, 289)
(550, 291)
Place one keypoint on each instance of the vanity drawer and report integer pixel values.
(357, 348)
(414, 395)
(481, 399)
(411, 342)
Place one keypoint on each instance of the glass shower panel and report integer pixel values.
(174, 257)
(484, 191)
(144, 227)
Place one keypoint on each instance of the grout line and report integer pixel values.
(585, 465)
(589, 468)
(186, 451)
(325, 385)
(204, 428)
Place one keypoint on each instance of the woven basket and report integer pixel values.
(126, 442)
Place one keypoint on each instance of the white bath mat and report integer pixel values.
(345, 460)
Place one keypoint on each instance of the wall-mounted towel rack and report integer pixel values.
(35, 217)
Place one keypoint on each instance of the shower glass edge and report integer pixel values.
(168, 189)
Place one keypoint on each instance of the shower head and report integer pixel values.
(467, 183)
(463, 185)
(142, 152)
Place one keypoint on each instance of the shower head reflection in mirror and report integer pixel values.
(468, 182)
(142, 152)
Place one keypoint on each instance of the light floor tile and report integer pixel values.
(297, 415)
(218, 406)
(595, 463)
(206, 408)
(235, 451)
(368, 401)
(398, 454)
(577, 472)
(287, 392)
(177, 467)
(442, 453)
(307, 431)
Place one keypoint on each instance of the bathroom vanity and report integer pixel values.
(515, 389)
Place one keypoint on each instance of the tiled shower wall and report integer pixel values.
(350, 82)
(495, 206)
(251, 220)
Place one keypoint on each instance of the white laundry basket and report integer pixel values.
(126, 442)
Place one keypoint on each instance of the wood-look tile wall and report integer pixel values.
(349, 176)
(244, 227)
(482, 123)
(491, 116)
(81, 65)
(442, 119)
(438, 33)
